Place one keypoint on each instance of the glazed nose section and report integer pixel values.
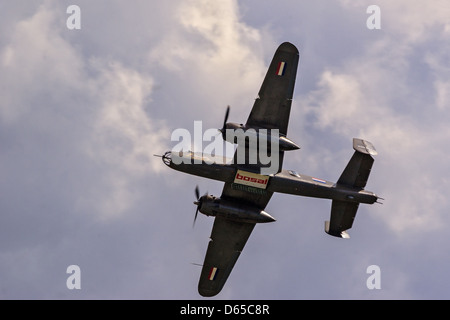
(166, 158)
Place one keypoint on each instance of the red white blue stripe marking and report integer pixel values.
(281, 67)
(212, 273)
(319, 180)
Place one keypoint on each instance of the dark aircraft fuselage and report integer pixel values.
(286, 181)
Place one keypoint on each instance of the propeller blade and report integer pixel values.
(227, 113)
(195, 218)
(197, 193)
(198, 202)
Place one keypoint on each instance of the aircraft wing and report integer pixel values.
(228, 238)
(273, 105)
(270, 111)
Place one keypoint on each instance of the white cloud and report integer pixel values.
(214, 53)
(97, 106)
(124, 137)
(408, 20)
(124, 132)
(80, 114)
(104, 106)
(39, 61)
(375, 97)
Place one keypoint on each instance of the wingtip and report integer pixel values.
(342, 234)
(207, 293)
(364, 146)
(345, 235)
(288, 47)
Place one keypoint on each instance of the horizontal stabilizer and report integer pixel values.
(357, 171)
(342, 215)
(342, 234)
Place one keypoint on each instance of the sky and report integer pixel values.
(82, 111)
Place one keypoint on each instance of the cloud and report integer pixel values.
(214, 55)
(375, 96)
(95, 108)
(36, 51)
(125, 137)
(83, 111)
(80, 124)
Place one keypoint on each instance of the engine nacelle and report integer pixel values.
(213, 206)
(236, 133)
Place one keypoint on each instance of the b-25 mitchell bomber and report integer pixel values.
(249, 185)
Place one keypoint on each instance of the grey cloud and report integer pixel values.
(83, 111)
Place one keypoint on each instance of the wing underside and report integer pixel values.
(270, 111)
(273, 105)
(228, 238)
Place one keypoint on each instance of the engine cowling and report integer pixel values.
(213, 206)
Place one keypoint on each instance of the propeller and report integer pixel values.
(227, 113)
(198, 203)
